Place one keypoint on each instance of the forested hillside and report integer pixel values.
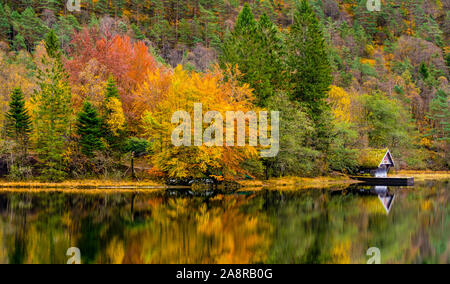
(80, 91)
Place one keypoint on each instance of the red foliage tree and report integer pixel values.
(128, 62)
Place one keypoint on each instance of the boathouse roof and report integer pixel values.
(374, 158)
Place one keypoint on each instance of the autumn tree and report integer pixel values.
(216, 94)
(52, 114)
(114, 120)
(125, 60)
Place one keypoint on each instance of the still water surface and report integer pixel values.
(408, 225)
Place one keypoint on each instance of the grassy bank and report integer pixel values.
(424, 175)
(83, 184)
(285, 183)
(300, 182)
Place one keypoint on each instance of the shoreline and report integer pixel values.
(285, 183)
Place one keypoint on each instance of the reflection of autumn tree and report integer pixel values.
(339, 228)
(266, 227)
(191, 231)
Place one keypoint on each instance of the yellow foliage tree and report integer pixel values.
(115, 120)
(341, 104)
(182, 92)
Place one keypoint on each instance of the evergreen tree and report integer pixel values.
(440, 114)
(238, 46)
(255, 48)
(111, 89)
(52, 45)
(31, 28)
(4, 23)
(53, 111)
(89, 128)
(270, 70)
(18, 121)
(308, 62)
(137, 32)
(102, 7)
(423, 70)
(18, 43)
(113, 134)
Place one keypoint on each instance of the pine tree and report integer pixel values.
(255, 47)
(18, 121)
(102, 7)
(89, 128)
(111, 89)
(53, 111)
(4, 23)
(52, 45)
(270, 68)
(31, 28)
(440, 114)
(113, 132)
(423, 70)
(308, 62)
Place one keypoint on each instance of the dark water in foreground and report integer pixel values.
(308, 226)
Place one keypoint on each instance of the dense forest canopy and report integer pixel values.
(98, 84)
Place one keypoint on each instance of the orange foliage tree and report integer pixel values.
(128, 62)
(181, 92)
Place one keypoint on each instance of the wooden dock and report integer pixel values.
(386, 181)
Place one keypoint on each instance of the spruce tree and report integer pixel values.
(89, 128)
(270, 70)
(308, 62)
(53, 111)
(114, 138)
(440, 115)
(52, 45)
(31, 28)
(238, 46)
(111, 89)
(255, 48)
(18, 121)
(4, 23)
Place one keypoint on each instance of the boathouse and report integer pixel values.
(376, 162)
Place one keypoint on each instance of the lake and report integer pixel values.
(335, 225)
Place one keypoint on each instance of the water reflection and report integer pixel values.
(268, 226)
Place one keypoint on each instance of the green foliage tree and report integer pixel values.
(18, 121)
(239, 44)
(424, 71)
(308, 62)
(111, 89)
(440, 114)
(18, 43)
(296, 156)
(256, 49)
(89, 128)
(390, 125)
(342, 155)
(30, 27)
(4, 23)
(52, 111)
